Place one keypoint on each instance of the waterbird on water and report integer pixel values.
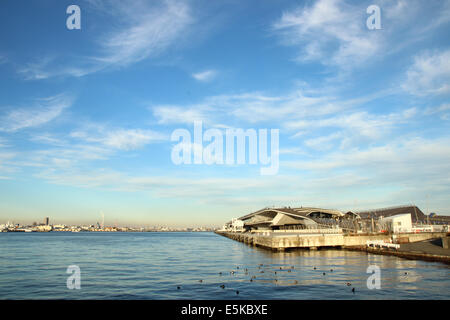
(237, 292)
(314, 268)
(348, 284)
(222, 286)
(324, 273)
(353, 290)
(200, 281)
(178, 288)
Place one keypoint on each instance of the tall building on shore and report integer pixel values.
(47, 221)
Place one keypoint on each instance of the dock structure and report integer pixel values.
(288, 228)
(283, 241)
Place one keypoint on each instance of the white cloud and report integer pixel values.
(164, 186)
(334, 32)
(121, 139)
(408, 158)
(352, 126)
(249, 107)
(307, 116)
(178, 114)
(141, 30)
(42, 112)
(443, 111)
(130, 139)
(150, 31)
(205, 76)
(429, 74)
(323, 142)
(330, 31)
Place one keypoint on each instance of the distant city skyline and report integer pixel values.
(86, 115)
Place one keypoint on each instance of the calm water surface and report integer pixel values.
(152, 265)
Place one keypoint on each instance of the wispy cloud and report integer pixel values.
(294, 111)
(42, 112)
(122, 139)
(329, 31)
(361, 123)
(429, 74)
(400, 161)
(141, 30)
(249, 107)
(6, 157)
(205, 76)
(179, 114)
(334, 32)
(3, 142)
(150, 30)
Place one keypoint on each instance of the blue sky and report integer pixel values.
(86, 115)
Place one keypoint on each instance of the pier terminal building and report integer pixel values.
(309, 218)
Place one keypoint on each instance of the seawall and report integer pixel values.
(285, 241)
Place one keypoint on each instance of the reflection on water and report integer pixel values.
(204, 266)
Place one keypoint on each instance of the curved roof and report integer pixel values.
(416, 214)
(307, 211)
(295, 212)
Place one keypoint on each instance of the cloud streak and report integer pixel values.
(329, 31)
(42, 112)
(205, 76)
(142, 30)
(429, 74)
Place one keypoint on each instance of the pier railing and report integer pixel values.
(301, 231)
(382, 244)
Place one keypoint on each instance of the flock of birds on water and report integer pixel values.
(273, 271)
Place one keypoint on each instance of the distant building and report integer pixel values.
(417, 216)
(237, 225)
(397, 223)
(47, 220)
(287, 219)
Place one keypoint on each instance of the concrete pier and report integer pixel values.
(280, 242)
